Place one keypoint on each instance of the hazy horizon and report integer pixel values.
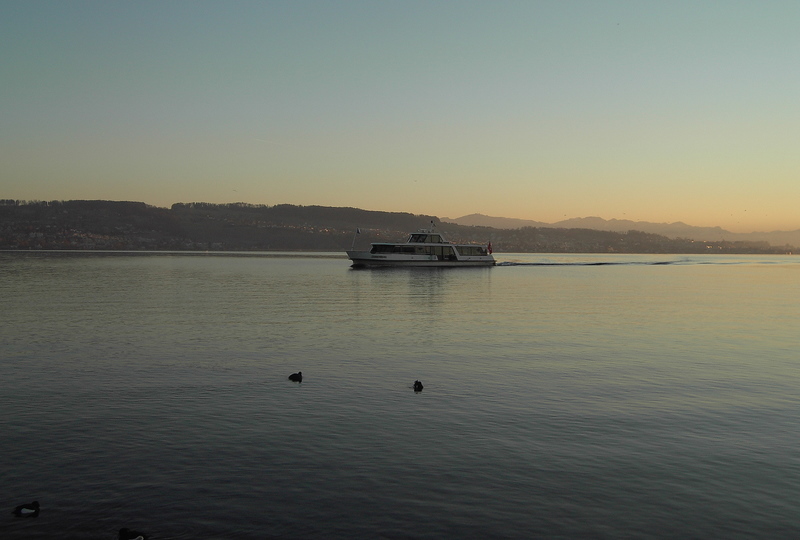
(540, 111)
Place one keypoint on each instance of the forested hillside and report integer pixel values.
(120, 225)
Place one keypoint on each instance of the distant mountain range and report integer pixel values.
(670, 230)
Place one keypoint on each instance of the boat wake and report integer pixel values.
(690, 261)
(597, 263)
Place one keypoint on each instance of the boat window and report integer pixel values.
(444, 253)
(422, 238)
(472, 251)
(393, 248)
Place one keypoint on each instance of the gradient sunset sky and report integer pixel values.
(545, 110)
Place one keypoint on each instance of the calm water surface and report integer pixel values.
(577, 396)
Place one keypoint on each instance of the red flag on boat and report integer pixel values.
(489, 248)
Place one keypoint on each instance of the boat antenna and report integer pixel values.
(358, 231)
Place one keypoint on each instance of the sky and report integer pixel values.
(543, 110)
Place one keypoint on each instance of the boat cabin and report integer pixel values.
(425, 238)
(443, 253)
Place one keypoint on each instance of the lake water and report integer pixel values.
(574, 396)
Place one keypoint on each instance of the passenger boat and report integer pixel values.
(423, 248)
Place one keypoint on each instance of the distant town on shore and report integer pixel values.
(197, 226)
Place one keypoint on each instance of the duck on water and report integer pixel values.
(27, 510)
(127, 534)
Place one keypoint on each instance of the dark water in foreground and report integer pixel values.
(655, 397)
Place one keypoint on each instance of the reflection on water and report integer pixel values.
(647, 397)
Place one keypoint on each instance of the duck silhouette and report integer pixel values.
(418, 386)
(296, 377)
(27, 510)
(127, 534)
